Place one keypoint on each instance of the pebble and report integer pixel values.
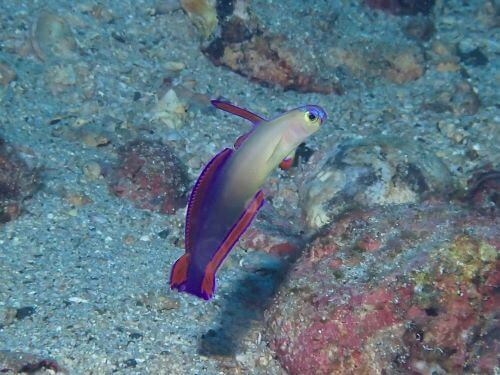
(92, 170)
(25, 312)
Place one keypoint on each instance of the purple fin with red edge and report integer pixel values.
(199, 192)
(237, 230)
(238, 111)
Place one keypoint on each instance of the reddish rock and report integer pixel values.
(484, 190)
(246, 48)
(150, 175)
(415, 300)
(17, 182)
(26, 363)
(264, 236)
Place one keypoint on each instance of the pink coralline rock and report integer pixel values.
(393, 291)
(150, 175)
(264, 235)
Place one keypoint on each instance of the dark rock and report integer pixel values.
(475, 57)
(25, 312)
(164, 234)
(403, 7)
(130, 363)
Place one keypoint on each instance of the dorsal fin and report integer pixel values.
(238, 111)
(199, 192)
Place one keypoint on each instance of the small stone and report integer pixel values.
(164, 234)
(166, 6)
(128, 240)
(78, 200)
(420, 28)
(203, 15)
(447, 66)
(404, 67)
(170, 110)
(92, 170)
(175, 66)
(25, 312)
(475, 57)
(52, 38)
(136, 336)
(95, 140)
(451, 131)
(131, 362)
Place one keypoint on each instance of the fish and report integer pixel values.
(227, 194)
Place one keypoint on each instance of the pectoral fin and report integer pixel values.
(287, 162)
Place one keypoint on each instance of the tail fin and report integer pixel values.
(179, 273)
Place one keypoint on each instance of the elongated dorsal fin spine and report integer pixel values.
(238, 111)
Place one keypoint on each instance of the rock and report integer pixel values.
(265, 59)
(369, 60)
(402, 7)
(245, 47)
(421, 298)
(475, 57)
(170, 110)
(367, 173)
(52, 38)
(24, 312)
(462, 100)
(452, 131)
(203, 15)
(420, 28)
(404, 67)
(166, 6)
(17, 182)
(150, 175)
(92, 170)
(19, 362)
(484, 190)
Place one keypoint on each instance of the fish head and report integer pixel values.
(294, 127)
(302, 122)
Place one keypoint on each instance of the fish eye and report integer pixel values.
(312, 116)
